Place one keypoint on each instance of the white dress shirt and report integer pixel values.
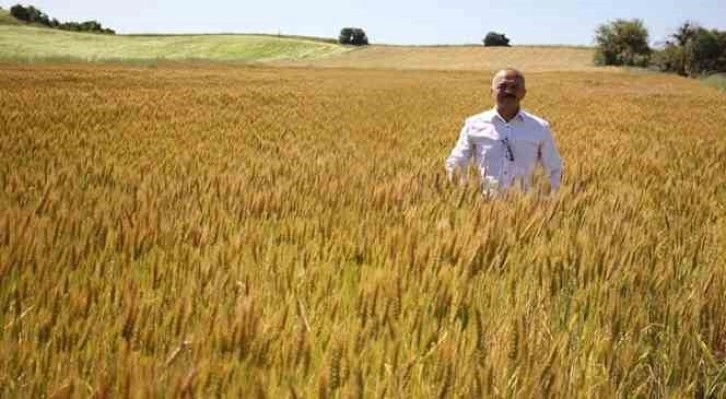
(506, 152)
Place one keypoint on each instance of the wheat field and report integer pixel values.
(182, 230)
(455, 58)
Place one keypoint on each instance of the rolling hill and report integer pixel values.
(32, 44)
(7, 19)
(37, 44)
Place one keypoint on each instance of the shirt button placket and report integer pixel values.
(507, 163)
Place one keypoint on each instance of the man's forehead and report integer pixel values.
(507, 76)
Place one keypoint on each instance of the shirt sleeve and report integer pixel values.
(460, 154)
(551, 160)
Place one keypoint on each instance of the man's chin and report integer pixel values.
(507, 104)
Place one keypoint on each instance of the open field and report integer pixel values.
(287, 232)
(38, 45)
(477, 58)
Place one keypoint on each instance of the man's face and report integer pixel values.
(508, 89)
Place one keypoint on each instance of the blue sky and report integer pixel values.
(386, 21)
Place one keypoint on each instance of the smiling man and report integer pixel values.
(506, 142)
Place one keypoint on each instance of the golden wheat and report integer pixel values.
(212, 230)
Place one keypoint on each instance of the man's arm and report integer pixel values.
(458, 160)
(551, 160)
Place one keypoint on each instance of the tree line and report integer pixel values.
(690, 51)
(31, 14)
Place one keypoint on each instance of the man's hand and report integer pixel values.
(456, 176)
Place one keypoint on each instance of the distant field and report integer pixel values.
(40, 44)
(29, 44)
(461, 58)
(32, 44)
(221, 230)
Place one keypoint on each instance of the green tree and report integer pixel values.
(20, 12)
(703, 53)
(622, 42)
(33, 15)
(353, 36)
(345, 35)
(671, 58)
(38, 16)
(29, 14)
(496, 39)
(693, 51)
(685, 33)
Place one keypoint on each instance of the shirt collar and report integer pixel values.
(495, 115)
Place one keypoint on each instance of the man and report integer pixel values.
(506, 142)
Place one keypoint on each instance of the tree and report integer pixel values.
(37, 16)
(33, 15)
(706, 53)
(670, 58)
(674, 57)
(622, 42)
(685, 33)
(693, 51)
(29, 14)
(345, 35)
(353, 36)
(496, 39)
(359, 38)
(19, 12)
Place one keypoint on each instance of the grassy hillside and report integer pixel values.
(7, 19)
(24, 43)
(27, 43)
